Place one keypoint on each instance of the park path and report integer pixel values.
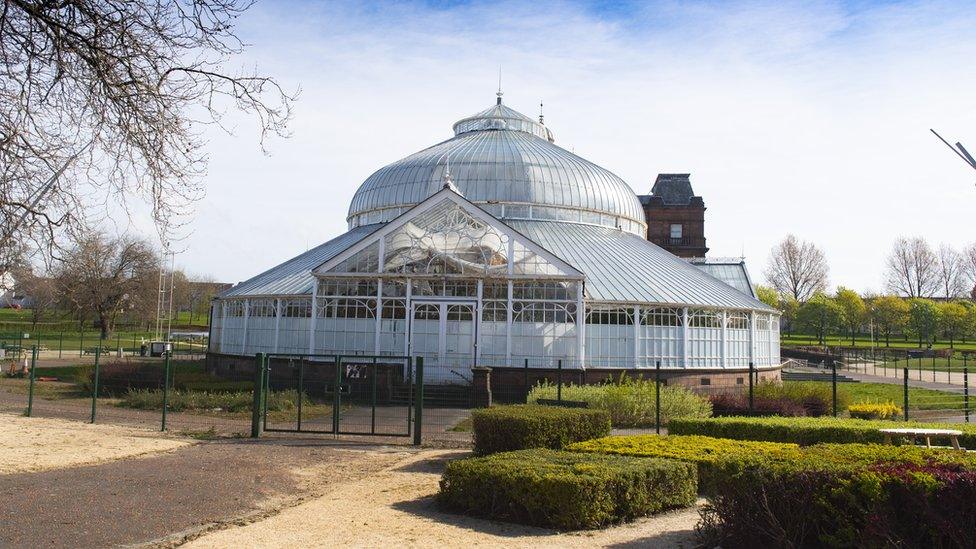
(180, 494)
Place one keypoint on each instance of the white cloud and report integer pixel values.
(791, 118)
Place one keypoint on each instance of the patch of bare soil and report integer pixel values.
(395, 507)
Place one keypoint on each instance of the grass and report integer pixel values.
(918, 398)
(928, 364)
(865, 342)
(466, 425)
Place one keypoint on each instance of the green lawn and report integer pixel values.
(918, 398)
(925, 364)
(865, 342)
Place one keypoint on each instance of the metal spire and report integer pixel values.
(499, 94)
(542, 119)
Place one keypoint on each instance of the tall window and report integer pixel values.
(676, 230)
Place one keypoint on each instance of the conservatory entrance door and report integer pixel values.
(444, 334)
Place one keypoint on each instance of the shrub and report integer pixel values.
(506, 428)
(817, 502)
(630, 402)
(738, 405)
(815, 397)
(871, 410)
(805, 430)
(705, 452)
(178, 401)
(565, 490)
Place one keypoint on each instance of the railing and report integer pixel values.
(686, 242)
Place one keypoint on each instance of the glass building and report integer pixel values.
(490, 248)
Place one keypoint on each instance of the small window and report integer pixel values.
(706, 381)
(676, 229)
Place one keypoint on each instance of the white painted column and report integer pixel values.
(315, 314)
(247, 312)
(477, 325)
(408, 312)
(580, 326)
(752, 338)
(277, 322)
(223, 326)
(684, 336)
(508, 324)
(379, 308)
(636, 312)
(725, 338)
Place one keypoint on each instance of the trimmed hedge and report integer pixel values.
(872, 410)
(517, 427)
(565, 490)
(705, 452)
(805, 430)
(877, 496)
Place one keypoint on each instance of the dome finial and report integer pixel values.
(499, 94)
(542, 119)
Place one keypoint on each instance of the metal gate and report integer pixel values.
(342, 394)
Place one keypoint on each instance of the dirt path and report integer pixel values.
(38, 444)
(394, 508)
(176, 495)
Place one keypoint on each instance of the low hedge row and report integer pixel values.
(805, 430)
(517, 427)
(704, 452)
(825, 501)
(565, 490)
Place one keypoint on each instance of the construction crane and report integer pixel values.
(960, 151)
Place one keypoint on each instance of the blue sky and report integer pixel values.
(803, 118)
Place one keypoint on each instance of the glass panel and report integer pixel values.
(364, 261)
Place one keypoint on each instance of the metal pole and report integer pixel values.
(301, 386)
(965, 387)
(372, 425)
(949, 368)
(60, 343)
(337, 386)
(525, 380)
(559, 385)
(81, 345)
(98, 352)
(166, 370)
(751, 383)
(933, 366)
(258, 393)
(30, 388)
(657, 397)
(833, 388)
(905, 383)
(419, 423)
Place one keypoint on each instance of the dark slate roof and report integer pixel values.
(673, 188)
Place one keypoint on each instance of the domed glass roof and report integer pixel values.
(508, 164)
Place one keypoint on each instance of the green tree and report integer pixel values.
(889, 313)
(820, 315)
(789, 307)
(767, 295)
(953, 317)
(923, 320)
(852, 310)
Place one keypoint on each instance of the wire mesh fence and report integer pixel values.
(64, 344)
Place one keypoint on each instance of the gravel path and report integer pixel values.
(38, 444)
(395, 508)
(178, 495)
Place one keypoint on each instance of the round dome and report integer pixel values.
(508, 164)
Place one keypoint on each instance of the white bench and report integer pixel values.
(927, 434)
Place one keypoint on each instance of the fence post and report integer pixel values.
(60, 343)
(98, 352)
(559, 383)
(81, 345)
(905, 383)
(965, 387)
(833, 388)
(751, 408)
(525, 380)
(30, 388)
(657, 397)
(933, 367)
(256, 403)
(166, 369)
(336, 396)
(949, 368)
(419, 403)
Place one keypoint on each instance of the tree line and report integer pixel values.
(930, 293)
(105, 280)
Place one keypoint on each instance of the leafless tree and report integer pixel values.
(40, 292)
(105, 277)
(951, 272)
(969, 267)
(797, 269)
(114, 96)
(913, 268)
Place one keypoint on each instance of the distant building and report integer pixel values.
(675, 216)
(730, 270)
